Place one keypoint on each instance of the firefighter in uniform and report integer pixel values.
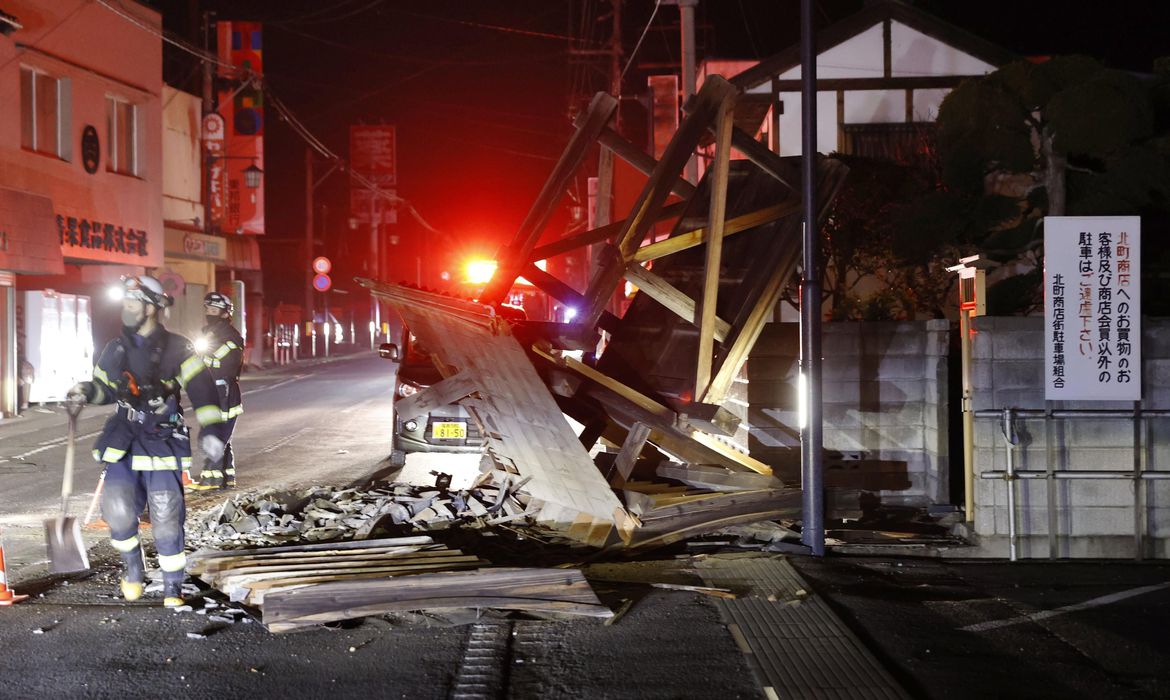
(145, 442)
(222, 348)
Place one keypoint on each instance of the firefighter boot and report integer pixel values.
(210, 478)
(134, 577)
(229, 467)
(172, 593)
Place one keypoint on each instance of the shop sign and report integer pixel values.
(101, 236)
(1092, 308)
(200, 246)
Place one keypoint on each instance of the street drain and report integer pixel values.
(483, 674)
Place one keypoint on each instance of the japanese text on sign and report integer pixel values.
(1092, 306)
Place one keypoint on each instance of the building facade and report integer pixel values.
(80, 182)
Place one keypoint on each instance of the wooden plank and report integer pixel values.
(513, 259)
(643, 401)
(225, 563)
(704, 108)
(439, 394)
(237, 565)
(599, 234)
(263, 573)
(631, 449)
(564, 589)
(318, 547)
(739, 224)
(712, 267)
(670, 297)
(716, 478)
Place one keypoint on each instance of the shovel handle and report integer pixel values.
(73, 410)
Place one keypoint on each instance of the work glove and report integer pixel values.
(212, 447)
(81, 393)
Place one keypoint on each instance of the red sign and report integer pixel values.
(235, 207)
(322, 283)
(322, 265)
(373, 155)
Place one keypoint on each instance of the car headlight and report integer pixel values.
(406, 389)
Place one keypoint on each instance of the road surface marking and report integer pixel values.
(1045, 614)
(360, 404)
(53, 443)
(286, 439)
(273, 386)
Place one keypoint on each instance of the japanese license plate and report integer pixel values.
(449, 431)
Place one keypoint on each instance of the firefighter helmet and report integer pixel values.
(219, 301)
(146, 289)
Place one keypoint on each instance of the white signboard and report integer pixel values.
(1092, 308)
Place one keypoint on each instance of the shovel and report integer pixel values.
(63, 534)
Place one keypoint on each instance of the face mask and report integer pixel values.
(133, 320)
(212, 320)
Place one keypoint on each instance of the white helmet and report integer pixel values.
(146, 289)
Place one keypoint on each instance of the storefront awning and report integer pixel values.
(29, 243)
(243, 253)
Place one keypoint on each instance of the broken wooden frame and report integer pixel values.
(625, 253)
(623, 416)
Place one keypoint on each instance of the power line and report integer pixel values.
(492, 27)
(630, 60)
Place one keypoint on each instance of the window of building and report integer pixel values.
(909, 143)
(123, 137)
(44, 113)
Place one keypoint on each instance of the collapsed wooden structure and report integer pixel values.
(303, 585)
(656, 393)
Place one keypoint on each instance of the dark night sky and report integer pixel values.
(481, 93)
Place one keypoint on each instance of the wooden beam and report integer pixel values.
(671, 297)
(924, 82)
(564, 293)
(705, 106)
(597, 235)
(761, 156)
(643, 162)
(716, 213)
(632, 395)
(601, 109)
(631, 449)
(739, 224)
(437, 395)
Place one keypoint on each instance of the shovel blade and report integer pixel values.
(67, 552)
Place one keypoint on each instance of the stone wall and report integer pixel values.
(1093, 518)
(885, 394)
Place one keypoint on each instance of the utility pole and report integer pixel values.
(308, 259)
(208, 108)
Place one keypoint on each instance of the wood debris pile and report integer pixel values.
(301, 585)
(327, 514)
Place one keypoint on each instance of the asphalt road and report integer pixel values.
(325, 423)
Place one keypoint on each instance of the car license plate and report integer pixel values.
(449, 431)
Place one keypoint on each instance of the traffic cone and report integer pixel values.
(7, 595)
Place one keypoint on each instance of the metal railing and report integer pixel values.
(1139, 474)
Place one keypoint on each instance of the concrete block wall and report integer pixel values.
(1093, 518)
(885, 396)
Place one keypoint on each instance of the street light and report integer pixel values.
(252, 176)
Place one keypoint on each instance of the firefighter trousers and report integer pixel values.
(223, 472)
(126, 494)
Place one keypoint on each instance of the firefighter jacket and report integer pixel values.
(144, 376)
(224, 359)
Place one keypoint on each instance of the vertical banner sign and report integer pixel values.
(241, 104)
(1092, 308)
(373, 154)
